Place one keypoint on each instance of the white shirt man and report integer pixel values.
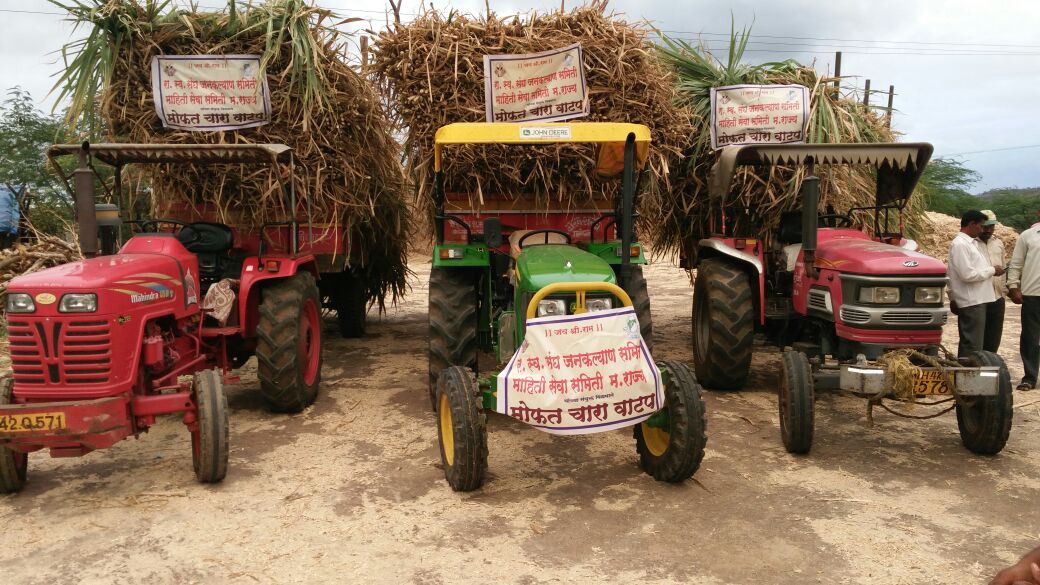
(1024, 289)
(971, 283)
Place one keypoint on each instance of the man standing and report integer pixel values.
(994, 311)
(1024, 289)
(971, 283)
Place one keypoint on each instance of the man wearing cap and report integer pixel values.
(994, 248)
(1024, 289)
(971, 283)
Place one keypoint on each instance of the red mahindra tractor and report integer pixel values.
(846, 303)
(103, 346)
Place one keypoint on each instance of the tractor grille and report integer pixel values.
(850, 315)
(818, 300)
(60, 352)
(906, 318)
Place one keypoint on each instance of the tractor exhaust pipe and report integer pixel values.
(83, 183)
(628, 196)
(810, 221)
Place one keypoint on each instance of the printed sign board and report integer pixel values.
(209, 93)
(580, 374)
(759, 114)
(547, 86)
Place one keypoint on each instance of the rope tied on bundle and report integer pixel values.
(900, 368)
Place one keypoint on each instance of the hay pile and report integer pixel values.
(685, 217)
(45, 252)
(347, 163)
(941, 229)
(432, 69)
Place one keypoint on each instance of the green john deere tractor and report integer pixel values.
(557, 296)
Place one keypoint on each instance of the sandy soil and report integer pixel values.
(350, 491)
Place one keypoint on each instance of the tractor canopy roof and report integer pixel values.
(899, 165)
(610, 138)
(205, 154)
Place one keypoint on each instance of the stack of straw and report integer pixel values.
(347, 163)
(432, 69)
(45, 252)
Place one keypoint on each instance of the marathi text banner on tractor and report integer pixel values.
(579, 374)
(758, 114)
(207, 93)
(544, 86)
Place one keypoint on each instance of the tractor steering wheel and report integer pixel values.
(152, 225)
(545, 233)
(842, 220)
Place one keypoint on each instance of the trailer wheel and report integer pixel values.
(288, 349)
(453, 323)
(797, 408)
(630, 279)
(350, 300)
(985, 421)
(674, 453)
(209, 444)
(14, 466)
(723, 325)
(461, 429)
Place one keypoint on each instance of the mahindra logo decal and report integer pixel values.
(910, 263)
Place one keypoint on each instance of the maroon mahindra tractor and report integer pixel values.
(855, 312)
(103, 346)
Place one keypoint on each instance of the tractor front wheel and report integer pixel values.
(796, 399)
(985, 421)
(631, 280)
(14, 466)
(209, 444)
(288, 348)
(453, 322)
(723, 325)
(671, 443)
(461, 429)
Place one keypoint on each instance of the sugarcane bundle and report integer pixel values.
(768, 192)
(432, 71)
(347, 163)
(25, 258)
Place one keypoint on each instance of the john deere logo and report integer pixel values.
(46, 298)
(910, 263)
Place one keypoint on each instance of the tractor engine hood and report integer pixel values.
(864, 256)
(541, 265)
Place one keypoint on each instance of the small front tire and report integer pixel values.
(796, 398)
(14, 466)
(673, 454)
(209, 444)
(461, 429)
(984, 422)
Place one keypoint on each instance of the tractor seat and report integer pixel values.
(211, 243)
(516, 236)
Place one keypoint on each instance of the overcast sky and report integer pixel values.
(966, 72)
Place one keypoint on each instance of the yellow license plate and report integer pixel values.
(931, 383)
(40, 421)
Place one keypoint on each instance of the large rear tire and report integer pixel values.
(14, 466)
(209, 444)
(797, 403)
(673, 454)
(461, 429)
(350, 300)
(630, 279)
(288, 349)
(985, 421)
(453, 323)
(723, 325)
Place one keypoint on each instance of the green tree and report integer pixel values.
(25, 134)
(945, 185)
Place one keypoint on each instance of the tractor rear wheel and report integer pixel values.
(14, 466)
(985, 421)
(797, 407)
(723, 325)
(674, 453)
(461, 429)
(288, 348)
(630, 279)
(453, 323)
(209, 444)
(350, 300)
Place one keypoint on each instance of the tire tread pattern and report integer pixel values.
(688, 427)
(452, 323)
(996, 412)
(211, 463)
(725, 301)
(469, 429)
(277, 352)
(797, 420)
(13, 469)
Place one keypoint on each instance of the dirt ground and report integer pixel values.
(350, 491)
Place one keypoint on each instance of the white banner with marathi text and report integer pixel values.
(759, 114)
(207, 93)
(580, 374)
(547, 86)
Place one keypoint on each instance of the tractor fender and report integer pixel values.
(254, 275)
(752, 264)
